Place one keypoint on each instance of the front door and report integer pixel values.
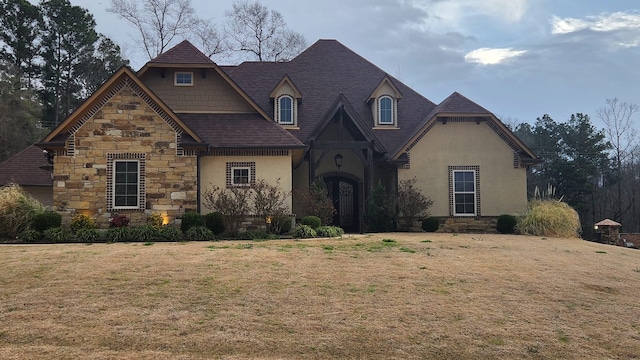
(344, 194)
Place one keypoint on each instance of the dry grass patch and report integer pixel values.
(404, 296)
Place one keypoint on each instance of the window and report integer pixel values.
(285, 110)
(464, 193)
(125, 185)
(385, 110)
(241, 174)
(126, 181)
(183, 79)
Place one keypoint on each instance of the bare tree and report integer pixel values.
(619, 128)
(253, 29)
(162, 23)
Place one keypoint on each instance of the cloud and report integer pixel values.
(454, 13)
(489, 56)
(602, 23)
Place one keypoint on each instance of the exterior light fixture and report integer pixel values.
(338, 159)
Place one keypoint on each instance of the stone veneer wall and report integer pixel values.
(126, 124)
(485, 224)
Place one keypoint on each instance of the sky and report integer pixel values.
(520, 59)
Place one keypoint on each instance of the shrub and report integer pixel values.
(46, 220)
(82, 221)
(155, 220)
(234, 203)
(313, 221)
(269, 202)
(119, 221)
(30, 236)
(379, 214)
(304, 232)
(549, 218)
(87, 235)
(199, 233)
(144, 233)
(329, 231)
(189, 220)
(280, 225)
(314, 200)
(17, 209)
(506, 224)
(214, 221)
(412, 204)
(170, 233)
(430, 224)
(116, 234)
(56, 235)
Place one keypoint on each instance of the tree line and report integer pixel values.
(596, 171)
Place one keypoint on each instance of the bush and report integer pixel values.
(82, 221)
(269, 202)
(314, 200)
(144, 233)
(214, 221)
(313, 221)
(379, 213)
(116, 234)
(30, 236)
(119, 221)
(549, 218)
(170, 233)
(280, 225)
(199, 233)
(56, 235)
(304, 232)
(256, 235)
(191, 219)
(506, 224)
(412, 204)
(87, 235)
(430, 224)
(17, 209)
(234, 203)
(329, 231)
(46, 220)
(155, 221)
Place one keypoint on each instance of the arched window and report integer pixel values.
(385, 110)
(284, 112)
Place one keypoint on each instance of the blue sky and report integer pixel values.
(520, 59)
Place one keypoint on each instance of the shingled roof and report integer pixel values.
(322, 73)
(183, 53)
(29, 167)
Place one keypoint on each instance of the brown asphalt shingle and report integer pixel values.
(183, 53)
(26, 168)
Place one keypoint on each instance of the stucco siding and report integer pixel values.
(213, 171)
(208, 94)
(502, 187)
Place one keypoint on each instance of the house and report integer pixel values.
(30, 168)
(153, 141)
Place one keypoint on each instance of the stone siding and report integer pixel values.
(468, 225)
(125, 125)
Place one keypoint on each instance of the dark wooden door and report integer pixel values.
(344, 194)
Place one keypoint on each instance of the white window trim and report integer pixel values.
(293, 110)
(234, 168)
(113, 185)
(175, 78)
(393, 110)
(475, 192)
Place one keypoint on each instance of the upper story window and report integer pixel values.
(386, 114)
(285, 110)
(183, 79)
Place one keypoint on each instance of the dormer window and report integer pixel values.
(285, 110)
(183, 79)
(386, 110)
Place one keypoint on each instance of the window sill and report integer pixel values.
(385, 127)
(290, 127)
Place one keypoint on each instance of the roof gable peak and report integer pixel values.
(183, 53)
(385, 84)
(285, 81)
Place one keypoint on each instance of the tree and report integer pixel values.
(412, 204)
(252, 29)
(162, 23)
(105, 60)
(621, 134)
(19, 118)
(68, 38)
(19, 32)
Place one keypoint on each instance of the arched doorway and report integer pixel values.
(345, 192)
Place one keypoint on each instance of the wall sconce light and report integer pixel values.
(338, 159)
